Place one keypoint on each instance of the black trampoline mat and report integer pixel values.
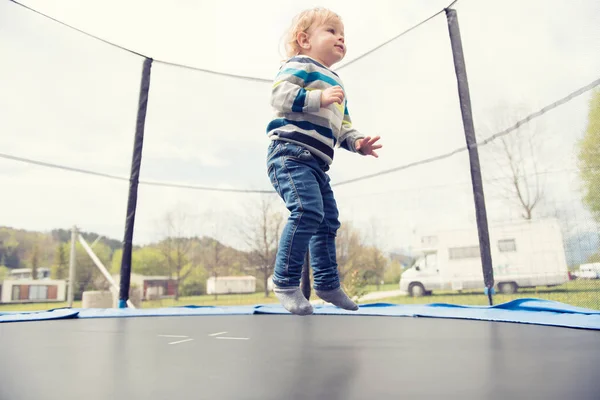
(289, 357)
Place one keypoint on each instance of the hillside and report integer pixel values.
(19, 247)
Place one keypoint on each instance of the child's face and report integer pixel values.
(325, 42)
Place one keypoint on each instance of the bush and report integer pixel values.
(355, 284)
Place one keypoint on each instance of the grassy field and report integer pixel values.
(578, 293)
(382, 288)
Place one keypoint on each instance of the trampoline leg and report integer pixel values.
(305, 280)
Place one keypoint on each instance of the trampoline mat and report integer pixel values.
(290, 357)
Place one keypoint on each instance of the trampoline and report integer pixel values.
(525, 349)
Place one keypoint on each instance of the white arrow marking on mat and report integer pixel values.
(217, 334)
(175, 336)
(181, 341)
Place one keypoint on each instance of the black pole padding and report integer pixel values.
(136, 162)
(305, 279)
(467, 117)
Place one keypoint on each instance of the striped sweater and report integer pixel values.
(299, 118)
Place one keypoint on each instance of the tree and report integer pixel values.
(589, 157)
(347, 247)
(377, 236)
(176, 245)
(148, 260)
(61, 267)
(357, 263)
(35, 256)
(261, 232)
(87, 274)
(217, 259)
(515, 156)
(10, 248)
(214, 259)
(3, 273)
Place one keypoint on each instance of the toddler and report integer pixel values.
(311, 120)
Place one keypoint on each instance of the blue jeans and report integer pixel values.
(301, 181)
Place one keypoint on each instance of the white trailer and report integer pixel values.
(524, 255)
(231, 285)
(589, 271)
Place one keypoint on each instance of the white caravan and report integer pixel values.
(524, 254)
(589, 271)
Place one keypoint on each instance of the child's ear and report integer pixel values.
(302, 39)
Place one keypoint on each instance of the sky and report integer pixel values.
(69, 99)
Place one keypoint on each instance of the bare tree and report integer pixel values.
(215, 259)
(35, 259)
(261, 233)
(175, 247)
(516, 158)
(377, 235)
(347, 245)
(215, 256)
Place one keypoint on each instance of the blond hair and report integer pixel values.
(302, 23)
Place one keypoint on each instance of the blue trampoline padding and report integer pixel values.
(527, 311)
(165, 312)
(37, 315)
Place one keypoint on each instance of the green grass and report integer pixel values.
(383, 288)
(205, 300)
(577, 293)
(36, 306)
(209, 300)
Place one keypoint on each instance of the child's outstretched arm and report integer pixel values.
(352, 140)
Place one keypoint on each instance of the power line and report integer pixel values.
(229, 75)
(537, 114)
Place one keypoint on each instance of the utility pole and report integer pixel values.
(72, 266)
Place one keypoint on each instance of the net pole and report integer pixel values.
(136, 162)
(467, 117)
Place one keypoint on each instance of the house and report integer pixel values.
(20, 288)
(152, 287)
(25, 273)
(32, 291)
(230, 285)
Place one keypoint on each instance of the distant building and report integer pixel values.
(20, 288)
(152, 287)
(26, 273)
(33, 291)
(230, 285)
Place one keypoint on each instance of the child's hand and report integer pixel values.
(367, 146)
(334, 94)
